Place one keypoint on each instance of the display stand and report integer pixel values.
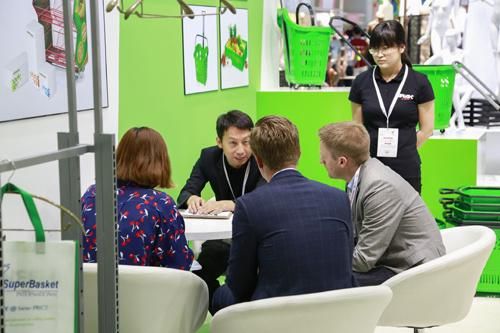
(69, 150)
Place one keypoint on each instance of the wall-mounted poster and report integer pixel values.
(32, 58)
(199, 38)
(234, 51)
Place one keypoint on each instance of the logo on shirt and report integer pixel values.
(406, 97)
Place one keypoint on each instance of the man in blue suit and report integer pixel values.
(290, 236)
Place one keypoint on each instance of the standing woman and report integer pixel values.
(390, 100)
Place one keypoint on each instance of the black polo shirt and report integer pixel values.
(417, 90)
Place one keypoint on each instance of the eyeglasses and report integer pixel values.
(383, 50)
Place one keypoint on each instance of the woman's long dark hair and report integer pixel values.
(389, 33)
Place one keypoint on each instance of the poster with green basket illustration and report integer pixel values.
(234, 49)
(200, 51)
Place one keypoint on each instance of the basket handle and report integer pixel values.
(447, 191)
(446, 202)
(311, 12)
(448, 215)
(203, 37)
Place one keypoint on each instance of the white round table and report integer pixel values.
(200, 229)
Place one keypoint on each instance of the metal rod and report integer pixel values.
(96, 66)
(479, 85)
(70, 66)
(153, 16)
(141, 14)
(368, 63)
(2, 298)
(69, 196)
(47, 157)
(106, 234)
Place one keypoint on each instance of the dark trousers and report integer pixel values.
(223, 297)
(213, 259)
(374, 277)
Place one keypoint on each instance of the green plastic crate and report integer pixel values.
(489, 282)
(475, 195)
(460, 214)
(492, 208)
(305, 51)
(442, 78)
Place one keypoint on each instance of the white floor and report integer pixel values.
(484, 317)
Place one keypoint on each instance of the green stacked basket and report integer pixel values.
(442, 78)
(305, 51)
(477, 206)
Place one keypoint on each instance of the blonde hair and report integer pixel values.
(142, 157)
(346, 139)
(275, 140)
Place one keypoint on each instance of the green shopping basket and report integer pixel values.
(472, 207)
(475, 194)
(489, 282)
(442, 78)
(200, 59)
(305, 49)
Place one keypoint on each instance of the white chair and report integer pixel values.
(440, 291)
(151, 299)
(353, 310)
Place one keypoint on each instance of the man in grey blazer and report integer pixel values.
(394, 229)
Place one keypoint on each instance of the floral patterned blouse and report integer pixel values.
(150, 229)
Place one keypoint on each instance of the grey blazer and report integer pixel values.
(393, 225)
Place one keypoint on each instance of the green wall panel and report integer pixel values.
(309, 111)
(446, 163)
(152, 84)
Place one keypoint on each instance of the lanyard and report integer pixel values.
(247, 172)
(394, 100)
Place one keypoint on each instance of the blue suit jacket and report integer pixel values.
(290, 236)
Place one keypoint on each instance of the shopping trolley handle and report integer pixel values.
(354, 24)
(309, 7)
(476, 82)
(352, 47)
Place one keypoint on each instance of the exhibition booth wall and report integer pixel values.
(447, 160)
(146, 85)
(152, 89)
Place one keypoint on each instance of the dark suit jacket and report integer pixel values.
(209, 169)
(290, 236)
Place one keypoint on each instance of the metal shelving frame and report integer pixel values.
(68, 155)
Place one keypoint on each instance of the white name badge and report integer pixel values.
(387, 142)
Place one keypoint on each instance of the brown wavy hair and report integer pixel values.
(142, 157)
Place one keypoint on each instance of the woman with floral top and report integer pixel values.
(150, 229)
